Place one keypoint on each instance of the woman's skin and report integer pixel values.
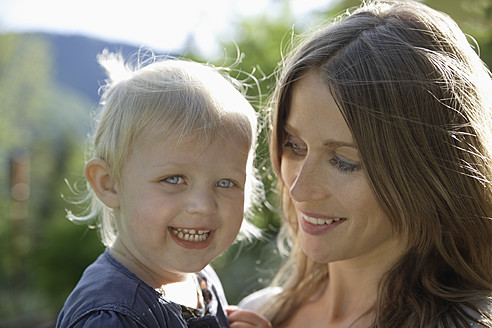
(341, 223)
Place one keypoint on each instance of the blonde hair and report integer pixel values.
(416, 98)
(173, 99)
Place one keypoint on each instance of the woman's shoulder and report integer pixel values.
(476, 314)
(259, 299)
(484, 313)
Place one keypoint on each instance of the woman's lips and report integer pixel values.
(317, 225)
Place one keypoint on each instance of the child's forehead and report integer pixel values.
(199, 140)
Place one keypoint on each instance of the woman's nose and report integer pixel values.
(309, 184)
(202, 202)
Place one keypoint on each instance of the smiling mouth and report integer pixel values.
(318, 221)
(192, 235)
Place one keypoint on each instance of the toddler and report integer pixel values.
(167, 177)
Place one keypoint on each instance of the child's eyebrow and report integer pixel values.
(181, 165)
(173, 165)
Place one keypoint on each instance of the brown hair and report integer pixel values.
(415, 97)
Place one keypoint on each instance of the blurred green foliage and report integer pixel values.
(43, 254)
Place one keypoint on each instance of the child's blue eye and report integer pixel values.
(224, 183)
(175, 179)
(344, 165)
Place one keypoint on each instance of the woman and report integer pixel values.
(382, 144)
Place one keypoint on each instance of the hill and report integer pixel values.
(75, 61)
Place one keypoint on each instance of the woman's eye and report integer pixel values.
(175, 179)
(225, 183)
(345, 166)
(294, 147)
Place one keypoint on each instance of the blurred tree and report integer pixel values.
(42, 255)
(475, 18)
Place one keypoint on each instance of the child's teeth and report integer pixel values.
(191, 234)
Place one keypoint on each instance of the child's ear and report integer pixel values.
(97, 172)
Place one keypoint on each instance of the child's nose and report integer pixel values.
(202, 202)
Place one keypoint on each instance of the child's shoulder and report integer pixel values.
(109, 292)
(106, 280)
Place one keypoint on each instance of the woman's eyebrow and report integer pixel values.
(328, 142)
(337, 144)
(290, 129)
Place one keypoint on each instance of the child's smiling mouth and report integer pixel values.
(190, 234)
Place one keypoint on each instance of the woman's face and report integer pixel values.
(338, 215)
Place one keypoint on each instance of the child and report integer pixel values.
(169, 171)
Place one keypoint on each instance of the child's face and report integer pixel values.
(180, 204)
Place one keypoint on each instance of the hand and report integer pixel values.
(240, 318)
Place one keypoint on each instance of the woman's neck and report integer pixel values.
(350, 294)
(353, 285)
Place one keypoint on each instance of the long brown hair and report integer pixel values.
(415, 97)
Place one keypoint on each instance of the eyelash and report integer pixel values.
(344, 166)
(217, 184)
(297, 149)
(167, 180)
(231, 183)
(339, 163)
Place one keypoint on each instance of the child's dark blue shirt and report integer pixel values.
(110, 295)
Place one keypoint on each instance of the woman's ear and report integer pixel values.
(97, 173)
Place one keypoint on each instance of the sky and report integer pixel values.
(158, 24)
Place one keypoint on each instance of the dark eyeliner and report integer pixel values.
(288, 144)
(344, 166)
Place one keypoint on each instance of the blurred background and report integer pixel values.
(49, 81)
